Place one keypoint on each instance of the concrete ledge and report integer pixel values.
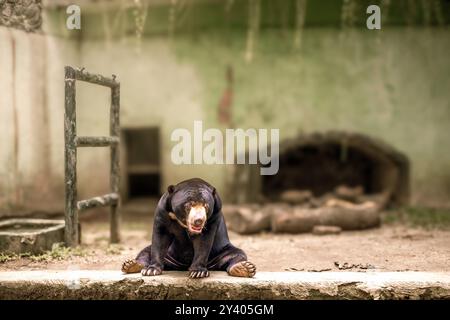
(85, 284)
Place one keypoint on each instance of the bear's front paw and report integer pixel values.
(242, 269)
(151, 271)
(198, 273)
(131, 266)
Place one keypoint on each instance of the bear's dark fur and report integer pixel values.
(174, 247)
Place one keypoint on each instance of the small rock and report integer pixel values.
(359, 266)
(296, 196)
(293, 269)
(343, 266)
(349, 193)
(324, 230)
(319, 270)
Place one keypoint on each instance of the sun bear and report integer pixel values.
(189, 233)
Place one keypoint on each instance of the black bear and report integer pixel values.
(189, 233)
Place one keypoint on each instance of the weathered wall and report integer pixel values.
(31, 113)
(156, 90)
(392, 84)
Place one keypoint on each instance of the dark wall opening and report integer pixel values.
(320, 162)
(142, 162)
(322, 168)
(143, 185)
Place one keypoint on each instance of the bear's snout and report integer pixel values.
(196, 219)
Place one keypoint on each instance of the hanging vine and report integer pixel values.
(119, 21)
(114, 28)
(172, 17)
(300, 10)
(385, 5)
(182, 12)
(426, 12)
(228, 6)
(437, 8)
(348, 13)
(410, 12)
(140, 15)
(254, 12)
(106, 25)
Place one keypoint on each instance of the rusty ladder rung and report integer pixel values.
(96, 141)
(110, 199)
(83, 75)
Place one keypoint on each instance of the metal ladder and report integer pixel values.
(72, 142)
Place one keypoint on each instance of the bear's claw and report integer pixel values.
(151, 271)
(242, 269)
(131, 266)
(198, 274)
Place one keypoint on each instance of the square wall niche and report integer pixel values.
(142, 168)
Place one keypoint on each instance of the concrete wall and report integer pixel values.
(31, 113)
(156, 90)
(391, 84)
(356, 81)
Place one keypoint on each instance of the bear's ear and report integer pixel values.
(217, 201)
(168, 198)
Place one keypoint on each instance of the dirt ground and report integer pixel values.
(392, 247)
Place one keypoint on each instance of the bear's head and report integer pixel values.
(192, 207)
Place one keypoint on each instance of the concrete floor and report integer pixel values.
(86, 284)
(369, 258)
